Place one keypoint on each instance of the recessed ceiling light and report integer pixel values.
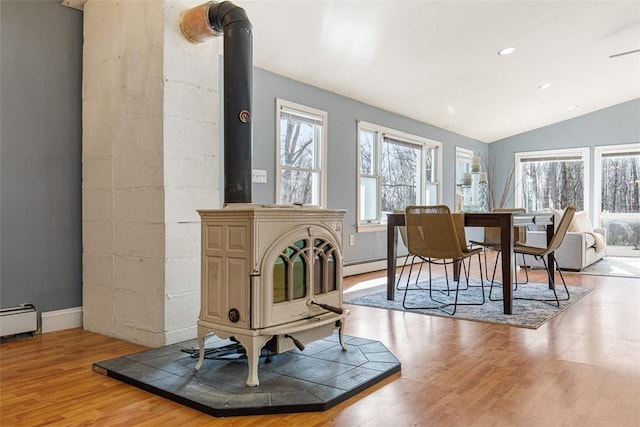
(544, 86)
(572, 107)
(451, 110)
(507, 51)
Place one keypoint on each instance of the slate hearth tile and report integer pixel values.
(141, 372)
(253, 400)
(382, 356)
(189, 387)
(326, 393)
(299, 398)
(352, 378)
(381, 366)
(356, 341)
(174, 363)
(154, 352)
(316, 347)
(275, 383)
(312, 369)
(279, 360)
(374, 347)
(353, 355)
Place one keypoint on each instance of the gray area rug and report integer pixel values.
(614, 266)
(526, 314)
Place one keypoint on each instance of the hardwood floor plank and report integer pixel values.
(581, 368)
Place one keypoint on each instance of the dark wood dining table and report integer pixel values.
(503, 220)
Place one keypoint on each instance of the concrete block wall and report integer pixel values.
(151, 140)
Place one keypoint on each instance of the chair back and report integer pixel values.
(431, 232)
(561, 229)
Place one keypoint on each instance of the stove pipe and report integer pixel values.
(214, 19)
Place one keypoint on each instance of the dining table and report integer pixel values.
(505, 221)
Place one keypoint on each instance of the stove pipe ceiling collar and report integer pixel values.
(214, 19)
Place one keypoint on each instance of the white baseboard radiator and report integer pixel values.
(18, 320)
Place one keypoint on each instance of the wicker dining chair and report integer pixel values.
(541, 253)
(492, 241)
(436, 236)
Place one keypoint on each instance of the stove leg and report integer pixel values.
(253, 347)
(341, 335)
(202, 331)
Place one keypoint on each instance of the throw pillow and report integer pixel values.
(581, 223)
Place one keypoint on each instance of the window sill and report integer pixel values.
(370, 228)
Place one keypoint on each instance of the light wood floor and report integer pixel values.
(582, 368)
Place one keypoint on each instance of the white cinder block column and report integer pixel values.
(150, 160)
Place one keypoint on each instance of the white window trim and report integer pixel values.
(597, 172)
(424, 142)
(280, 103)
(580, 151)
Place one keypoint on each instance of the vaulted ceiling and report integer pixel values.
(438, 62)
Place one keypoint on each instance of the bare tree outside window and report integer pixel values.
(552, 182)
(395, 170)
(399, 175)
(301, 148)
(620, 198)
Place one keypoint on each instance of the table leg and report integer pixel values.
(392, 243)
(506, 241)
(551, 258)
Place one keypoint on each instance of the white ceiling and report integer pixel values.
(437, 61)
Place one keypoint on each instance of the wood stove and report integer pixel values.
(271, 274)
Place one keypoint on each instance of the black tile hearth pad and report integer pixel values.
(315, 379)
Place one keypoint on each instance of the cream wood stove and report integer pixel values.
(271, 275)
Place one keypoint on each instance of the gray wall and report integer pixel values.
(40, 154)
(619, 124)
(343, 113)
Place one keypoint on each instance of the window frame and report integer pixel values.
(583, 152)
(598, 153)
(380, 223)
(320, 165)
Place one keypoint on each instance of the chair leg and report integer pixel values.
(402, 271)
(406, 289)
(550, 276)
(466, 269)
(413, 259)
(515, 272)
(443, 304)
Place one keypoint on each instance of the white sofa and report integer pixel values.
(575, 253)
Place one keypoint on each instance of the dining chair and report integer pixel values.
(436, 236)
(541, 254)
(492, 241)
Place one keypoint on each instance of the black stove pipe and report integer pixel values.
(231, 21)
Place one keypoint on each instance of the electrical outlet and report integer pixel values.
(352, 240)
(259, 176)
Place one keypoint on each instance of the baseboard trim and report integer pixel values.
(59, 320)
(368, 266)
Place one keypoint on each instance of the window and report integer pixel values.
(395, 170)
(617, 196)
(464, 158)
(301, 148)
(554, 178)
